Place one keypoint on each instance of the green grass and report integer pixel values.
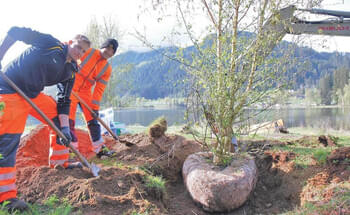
(160, 120)
(156, 182)
(344, 141)
(51, 206)
(304, 154)
(105, 162)
(136, 129)
(110, 162)
(321, 155)
(138, 213)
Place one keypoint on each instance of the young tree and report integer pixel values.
(231, 69)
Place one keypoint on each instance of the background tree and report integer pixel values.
(93, 32)
(230, 72)
(346, 96)
(312, 96)
(98, 31)
(326, 84)
(340, 79)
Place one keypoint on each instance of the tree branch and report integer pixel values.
(210, 13)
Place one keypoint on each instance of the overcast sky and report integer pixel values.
(65, 18)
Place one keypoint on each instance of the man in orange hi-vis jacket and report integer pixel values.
(94, 73)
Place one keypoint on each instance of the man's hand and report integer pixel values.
(95, 114)
(66, 131)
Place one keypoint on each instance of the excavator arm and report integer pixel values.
(338, 25)
(284, 22)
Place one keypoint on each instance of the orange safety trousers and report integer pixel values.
(94, 127)
(13, 116)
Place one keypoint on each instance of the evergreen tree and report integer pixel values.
(340, 79)
(326, 84)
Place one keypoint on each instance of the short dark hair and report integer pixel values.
(110, 42)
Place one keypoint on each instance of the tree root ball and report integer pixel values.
(219, 189)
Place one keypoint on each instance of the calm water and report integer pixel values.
(336, 118)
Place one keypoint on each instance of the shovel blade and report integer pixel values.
(95, 169)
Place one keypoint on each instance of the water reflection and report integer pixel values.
(336, 118)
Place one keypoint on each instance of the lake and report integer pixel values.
(335, 118)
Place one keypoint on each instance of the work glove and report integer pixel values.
(66, 131)
(95, 114)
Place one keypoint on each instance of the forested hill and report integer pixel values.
(152, 75)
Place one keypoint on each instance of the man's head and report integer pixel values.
(109, 48)
(77, 47)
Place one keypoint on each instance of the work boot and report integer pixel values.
(74, 165)
(16, 205)
(105, 152)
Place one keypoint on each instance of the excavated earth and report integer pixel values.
(120, 188)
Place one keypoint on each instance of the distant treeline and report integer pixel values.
(153, 75)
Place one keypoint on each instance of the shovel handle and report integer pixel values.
(95, 115)
(47, 120)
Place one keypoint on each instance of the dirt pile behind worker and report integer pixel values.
(34, 147)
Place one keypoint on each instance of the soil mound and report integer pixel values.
(339, 155)
(281, 160)
(121, 189)
(158, 128)
(326, 141)
(324, 187)
(115, 190)
(163, 156)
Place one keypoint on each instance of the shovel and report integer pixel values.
(94, 169)
(127, 143)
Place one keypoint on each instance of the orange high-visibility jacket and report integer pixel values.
(94, 71)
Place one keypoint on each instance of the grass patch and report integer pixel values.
(51, 206)
(159, 121)
(321, 155)
(105, 162)
(155, 187)
(304, 154)
(344, 141)
(136, 129)
(155, 182)
(139, 213)
(110, 162)
(302, 162)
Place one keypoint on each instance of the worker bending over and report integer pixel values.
(47, 62)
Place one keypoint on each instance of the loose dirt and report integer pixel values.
(121, 188)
